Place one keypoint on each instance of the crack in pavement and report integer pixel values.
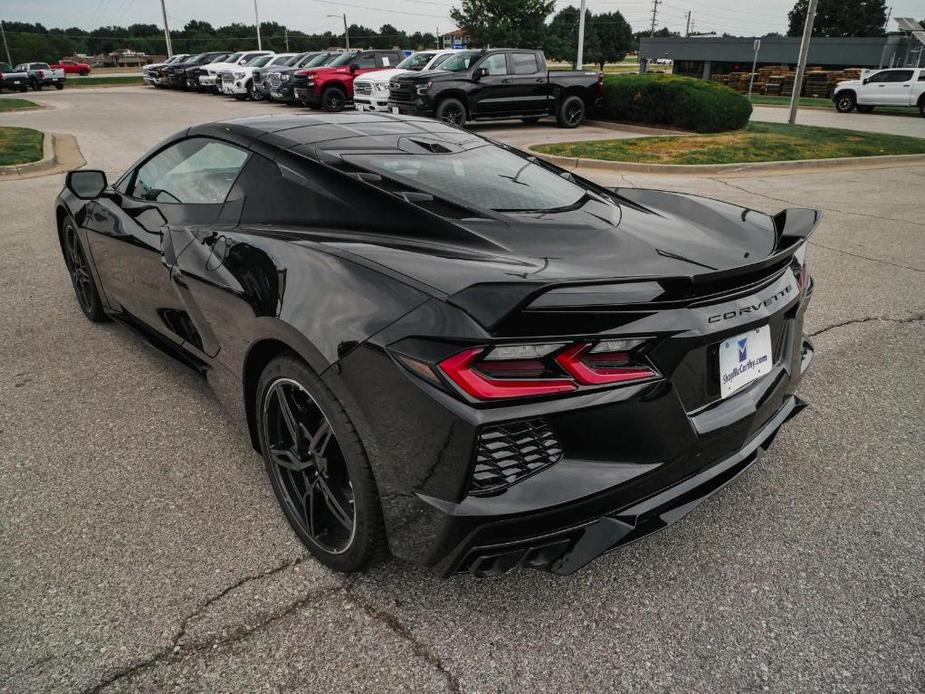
(175, 649)
(865, 257)
(870, 319)
(824, 209)
(419, 648)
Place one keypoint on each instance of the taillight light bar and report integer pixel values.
(521, 371)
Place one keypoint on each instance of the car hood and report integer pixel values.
(649, 234)
(382, 75)
(848, 83)
(218, 67)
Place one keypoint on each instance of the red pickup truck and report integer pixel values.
(331, 86)
(72, 67)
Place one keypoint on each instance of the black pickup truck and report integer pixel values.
(497, 83)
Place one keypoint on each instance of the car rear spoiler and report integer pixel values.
(491, 303)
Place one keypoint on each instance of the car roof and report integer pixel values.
(358, 130)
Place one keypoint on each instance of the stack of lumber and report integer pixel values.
(777, 80)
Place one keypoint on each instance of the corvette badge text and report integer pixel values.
(751, 307)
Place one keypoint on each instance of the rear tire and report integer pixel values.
(864, 109)
(571, 112)
(845, 103)
(88, 297)
(922, 107)
(331, 502)
(59, 86)
(84, 73)
(452, 112)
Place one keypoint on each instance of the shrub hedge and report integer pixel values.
(684, 102)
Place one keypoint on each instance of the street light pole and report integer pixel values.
(346, 32)
(580, 60)
(166, 30)
(751, 81)
(801, 63)
(257, 19)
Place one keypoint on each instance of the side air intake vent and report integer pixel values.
(507, 453)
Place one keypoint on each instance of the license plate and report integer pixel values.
(394, 109)
(744, 358)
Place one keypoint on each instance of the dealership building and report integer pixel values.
(703, 56)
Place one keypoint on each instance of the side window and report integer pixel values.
(525, 63)
(196, 171)
(922, 76)
(365, 61)
(495, 64)
(900, 75)
(883, 76)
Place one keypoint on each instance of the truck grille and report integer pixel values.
(362, 88)
(227, 76)
(507, 453)
(274, 79)
(402, 93)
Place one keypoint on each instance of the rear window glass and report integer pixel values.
(487, 177)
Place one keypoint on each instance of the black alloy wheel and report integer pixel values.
(845, 103)
(571, 112)
(318, 467)
(88, 297)
(452, 112)
(333, 99)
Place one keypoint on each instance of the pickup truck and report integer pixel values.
(891, 87)
(72, 67)
(371, 91)
(279, 80)
(497, 83)
(12, 80)
(330, 87)
(41, 75)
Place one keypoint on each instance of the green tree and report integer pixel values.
(840, 18)
(614, 38)
(519, 23)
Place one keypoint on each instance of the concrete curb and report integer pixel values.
(756, 167)
(59, 153)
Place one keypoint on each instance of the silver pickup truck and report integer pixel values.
(42, 75)
(13, 80)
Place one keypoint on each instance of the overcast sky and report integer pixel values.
(743, 18)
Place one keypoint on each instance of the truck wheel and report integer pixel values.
(84, 73)
(845, 103)
(570, 112)
(864, 109)
(333, 99)
(59, 85)
(922, 107)
(23, 88)
(37, 87)
(452, 112)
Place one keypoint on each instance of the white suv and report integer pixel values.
(371, 91)
(238, 81)
(212, 79)
(893, 87)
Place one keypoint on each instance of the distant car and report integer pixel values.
(42, 75)
(72, 67)
(443, 347)
(13, 80)
(174, 76)
(261, 88)
(154, 74)
(280, 81)
(239, 80)
(892, 87)
(371, 91)
(663, 61)
(330, 87)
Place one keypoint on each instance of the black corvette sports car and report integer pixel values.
(444, 348)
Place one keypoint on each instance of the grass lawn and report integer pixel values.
(815, 102)
(121, 81)
(758, 142)
(16, 104)
(20, 145)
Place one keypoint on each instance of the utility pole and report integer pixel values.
(687, 31)
(5, 46)
(346, 33)
(286, 34)
(166, 30)
(257, 19)
(580, 59)
(751, 80)
(889, 13)
(654, 14)
(801, 64)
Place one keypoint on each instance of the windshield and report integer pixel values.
(415, 62)
(320, 59)
(281, 60)
(460, 61)
(486, 177)
(234, 57)
(342, 59)
(260, 61)
(219, 58)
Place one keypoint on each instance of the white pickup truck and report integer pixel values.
(891, 87)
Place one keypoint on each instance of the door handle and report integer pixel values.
(507, 80)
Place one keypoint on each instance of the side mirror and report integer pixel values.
(354, 67)
(86, 184)
(480, 73)
(865, 80)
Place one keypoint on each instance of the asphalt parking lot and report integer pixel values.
(142, 548)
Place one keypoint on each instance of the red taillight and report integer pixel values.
(460, 370)
(594, 369)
